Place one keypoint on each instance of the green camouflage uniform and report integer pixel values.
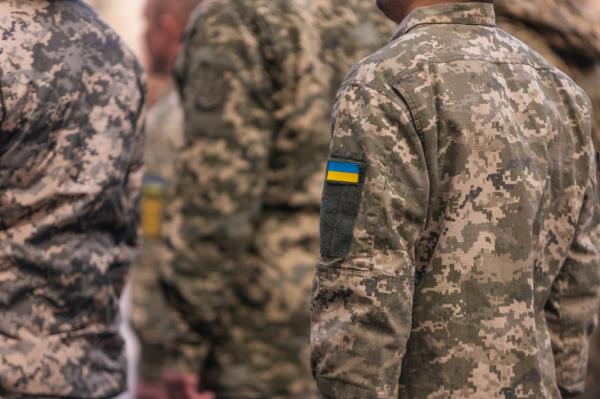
(243, 223)
(459, 230)
(70, 172)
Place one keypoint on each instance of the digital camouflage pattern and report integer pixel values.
(166, 341)
(243, 223)
(565, 32)
(464, 263)
(70, 172)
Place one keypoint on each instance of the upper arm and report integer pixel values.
(221, 171)
(364, 283)
(377, 131)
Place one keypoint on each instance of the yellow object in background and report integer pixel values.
(152, 207)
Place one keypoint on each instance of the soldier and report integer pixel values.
(165, 341)
(459, 222)
(243, 222)
(70, 173)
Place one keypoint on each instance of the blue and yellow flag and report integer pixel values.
(343, 172)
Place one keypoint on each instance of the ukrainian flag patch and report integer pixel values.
(343, 172)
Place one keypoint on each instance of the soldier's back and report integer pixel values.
(70, 160)
(566, 34)
(472, 226)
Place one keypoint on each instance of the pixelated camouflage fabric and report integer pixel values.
(70, 172)
(472, 270)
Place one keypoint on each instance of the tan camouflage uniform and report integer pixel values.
(459, 230)
(70, 173)
(244, 220)
(565, 34)
(569, 37)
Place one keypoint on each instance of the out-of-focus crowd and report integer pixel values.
(236, 138)
(564, 31)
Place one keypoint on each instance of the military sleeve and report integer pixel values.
(135, 172)
(221, 173)
(571, 310)
(374, 207)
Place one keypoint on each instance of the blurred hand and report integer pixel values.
(151, 390)
(183, 386)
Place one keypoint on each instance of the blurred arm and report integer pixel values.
(221, 172)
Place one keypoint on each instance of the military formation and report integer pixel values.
(438, 156)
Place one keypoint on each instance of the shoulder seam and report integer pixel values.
(393, 94)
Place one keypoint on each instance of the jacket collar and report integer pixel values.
(453, 13)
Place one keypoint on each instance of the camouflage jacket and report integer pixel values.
(70, 160)
(565, 34)
(459, 242)
(243, 222)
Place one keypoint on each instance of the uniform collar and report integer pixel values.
(454, 13)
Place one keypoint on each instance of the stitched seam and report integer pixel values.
(460, 57)
(485, 24)
(412, 107)
(361, 273)
(344, 383)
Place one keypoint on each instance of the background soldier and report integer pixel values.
(245, 213)
(459, 222)
(70, 173)
(166, 341)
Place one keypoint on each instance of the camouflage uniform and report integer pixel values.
(166, 341)
(244, 219)
(70, 172)
(459, 242)
(565, 35)
(569, 37)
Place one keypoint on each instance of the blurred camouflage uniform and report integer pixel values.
(70, 173)
(569, 37)
(459, 224)
(166, 341)
(244, 220)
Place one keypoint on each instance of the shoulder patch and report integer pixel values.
(212, 92)
(340, 205)
(343, 172)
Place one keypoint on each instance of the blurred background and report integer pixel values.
(126, 18)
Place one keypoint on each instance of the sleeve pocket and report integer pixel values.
(340, 205)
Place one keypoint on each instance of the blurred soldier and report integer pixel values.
(567, 33)
(70, 174)
(166, 341)
(459, 224)
(244, 220)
